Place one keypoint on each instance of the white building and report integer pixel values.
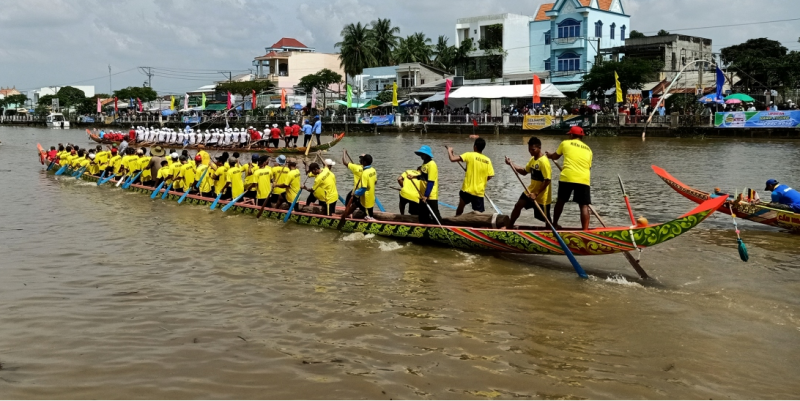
(510, 31)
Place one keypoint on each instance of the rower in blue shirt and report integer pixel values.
(307, 131)
(318, 128)
(784, 195)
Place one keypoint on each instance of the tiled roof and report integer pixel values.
(9, 92)
(540, 14)
(274, 54)
(288, 42)
(605, 4)
(585, 3)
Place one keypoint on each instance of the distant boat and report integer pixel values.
(57, 120)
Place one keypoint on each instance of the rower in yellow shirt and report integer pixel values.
(204, 156)
(220, 176)
(365, 190)
(279, 173)
(234, 178)
(575, 176)
(262, 181)
(186, 172)
(163, 174)
(539, 190)
(410, 188)
(207, 183)
(430, 197)
(144, 163)
(479, 172)
(115, 162)
(289, 182)
(324, 189)
(250, 178)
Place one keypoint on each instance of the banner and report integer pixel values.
(186, 101)
(537, 122)
(172, 102)
(139, 103)
(394, 94)
(228, 107)
(720, 83)
(98, 105)
(537, 89)
(203, 105)
(448, 84)
(349, 96)
(382, 120)
(757, 119)
(254, 103)
(283, 98)
(619, 87)
(115, 104)
(191, 120)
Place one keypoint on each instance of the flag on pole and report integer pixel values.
(313, 98)
(394, 94)
(283, 98)
(253, 105)
(447, 85)
(619, 87)
(186, 101)
(130, 103)
(139, 103)
(172, 102)
(229, 100)
(537, 89)
(474, 122)
(98, 105)
(720, 84)
(203, 104)
(349, 96)
(115, 104)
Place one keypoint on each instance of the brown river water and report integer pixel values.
(108, 294)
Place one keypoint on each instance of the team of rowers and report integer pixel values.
(262, 183)
(233, 137)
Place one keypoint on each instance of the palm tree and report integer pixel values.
(384, 36)
(414, 49)
(444, 54)
(357, 49)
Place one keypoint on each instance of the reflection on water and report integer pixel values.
(107, 293)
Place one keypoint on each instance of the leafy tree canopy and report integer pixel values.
(244, 88)
(69, 96)
(663, 33)
(146, 94)
(762, 63)
(636, 34)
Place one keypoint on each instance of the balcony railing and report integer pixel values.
(568, 43)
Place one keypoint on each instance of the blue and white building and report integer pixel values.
(565, 37)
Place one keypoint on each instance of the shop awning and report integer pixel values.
(216, 107)
(504, 92)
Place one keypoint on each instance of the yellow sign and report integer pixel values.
(537, 122)
(788, 220)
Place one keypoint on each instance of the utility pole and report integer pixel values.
(149, 73)
(110, 91)
(230, 77)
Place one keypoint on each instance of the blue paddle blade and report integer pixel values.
(155, 192)
(166, 193)
(61, 170)
(231, 203)
(378, 202)
(100, 180)
(291, 207)
(214, 204)
(447, 205)
(110, 176)
(342, 200)
(201, 178)
(180, 200)
(743, 250)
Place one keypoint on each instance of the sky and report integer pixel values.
(73, 42)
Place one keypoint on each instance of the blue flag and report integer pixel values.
(720, 83)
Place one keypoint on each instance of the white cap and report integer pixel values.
(330, 162)
(174, 155)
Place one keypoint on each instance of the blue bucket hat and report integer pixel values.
(281, 160)
(770, 183)
(255, 157)
(425, 150)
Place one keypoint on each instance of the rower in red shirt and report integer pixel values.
(287, 134)
(275, 135)
(295, 133)
(132, 135)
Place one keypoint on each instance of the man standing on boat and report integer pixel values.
(478, 172)
(295, 133)
(784, 195)
(307, 131)
(318, 129)
(539, 190)
(429, 174)
(575, 176)
(364, 190)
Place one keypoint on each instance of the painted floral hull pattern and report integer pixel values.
(586, 243)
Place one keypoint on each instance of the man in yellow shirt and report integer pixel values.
(250, 183)
(204, 174)
(430, 196)
(365, 190)
(262, 180)
(115, 162)
(235, 180)
(186, 173)
(206, 158)
(289, 182)
(410, 188)
(575, 176)
(101, 157)
(479, 172)
(324, 189)
(279, 174)
(163, 172)
(539, 189)
(220, 175)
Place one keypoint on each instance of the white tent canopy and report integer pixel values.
(439, 97)
(505, 92)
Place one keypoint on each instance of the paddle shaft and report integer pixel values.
(435, 218)
(627, 201)
(564, 247)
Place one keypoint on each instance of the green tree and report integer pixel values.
(444, 54)
(244, 88)
(415, 48)
(16, 100)
(47, 100)
(385, 38)
(327, 78)
(144, 93)
(89, 105)
(461, 55)
(663, 33)
(636, 34)
(357, 49)
(385, 96)
(755, 61)
(633, 74)
(69, 96)
(309, 82)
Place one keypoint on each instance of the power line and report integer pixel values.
(728, 25)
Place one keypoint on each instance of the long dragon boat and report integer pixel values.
(252, 149)
(525, 240)
(769, 214)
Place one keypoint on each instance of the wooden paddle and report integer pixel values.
(564, 247)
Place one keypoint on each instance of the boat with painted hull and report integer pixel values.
(769, 214)
(282, 151)
(525, 240)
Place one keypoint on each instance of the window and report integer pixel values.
(547, 38)
(569, 28)
(598, 29)
(613, 28)
(547, 65)
(622, 33)
(569, 62)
